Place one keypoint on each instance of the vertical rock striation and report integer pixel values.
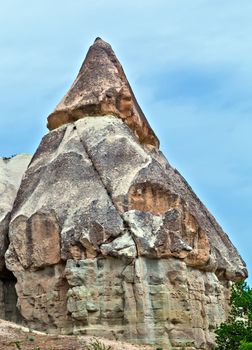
(106, 238)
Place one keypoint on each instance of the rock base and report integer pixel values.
(146, 301)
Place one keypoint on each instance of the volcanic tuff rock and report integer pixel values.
(11, 172)
(102, 88)
(106, 238)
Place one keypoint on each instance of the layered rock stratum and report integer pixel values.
(105, 237)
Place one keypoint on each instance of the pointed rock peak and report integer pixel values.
(101, 88)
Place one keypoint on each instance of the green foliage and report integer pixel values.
(97, 345)
(30, 338)
(245, 346)
(6, 159)
(236, 333)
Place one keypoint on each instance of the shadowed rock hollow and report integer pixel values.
(105, 237)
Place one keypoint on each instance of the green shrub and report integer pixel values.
(237, 330)
(245, 346)
(97, 345)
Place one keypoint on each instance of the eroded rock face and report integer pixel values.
(161, 301)
(11, 172)
(101, 88)
(107, 238)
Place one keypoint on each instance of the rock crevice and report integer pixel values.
(126, 230)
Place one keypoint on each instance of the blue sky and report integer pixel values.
(189, 63)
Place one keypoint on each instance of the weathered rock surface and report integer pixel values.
(102, 88)
(11, 172)
(106, 238)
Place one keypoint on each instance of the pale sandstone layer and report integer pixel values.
(106, 238)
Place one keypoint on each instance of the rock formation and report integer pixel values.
(11, 172)
(101, 88)
(106, 238)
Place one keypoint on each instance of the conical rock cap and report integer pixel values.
(101, 88)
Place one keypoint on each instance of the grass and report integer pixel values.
(97, 345)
